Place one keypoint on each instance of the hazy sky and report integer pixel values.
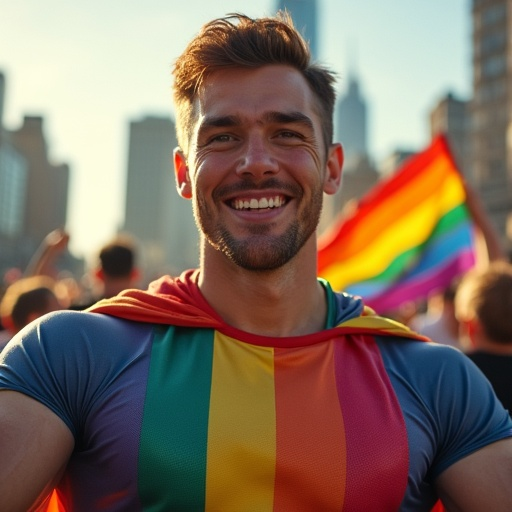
(89, 68)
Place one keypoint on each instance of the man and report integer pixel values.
(116, 270)
(483, 305)
(439, 322)
(248, 385)
(24, 301)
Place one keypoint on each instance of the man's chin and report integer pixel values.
(259, 257)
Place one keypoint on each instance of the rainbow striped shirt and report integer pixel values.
(180, 417)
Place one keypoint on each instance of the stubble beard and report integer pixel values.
(261, 251)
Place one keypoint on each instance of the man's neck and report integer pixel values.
(283, 302)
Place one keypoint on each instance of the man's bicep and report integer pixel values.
(480, 481)
(35, 445)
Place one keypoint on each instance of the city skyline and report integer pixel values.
(98, 68)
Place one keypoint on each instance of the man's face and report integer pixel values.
(257, 165)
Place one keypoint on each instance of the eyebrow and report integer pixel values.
(288, 118)
(268, 117)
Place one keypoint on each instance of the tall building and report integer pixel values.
(13, 189)
(359, 173)
(46, 198)
(491, 108)
(155, 214)
(351, 126)
(451, 117)
(305, 19)
(13, 183)
(2, 99)
(33, 194)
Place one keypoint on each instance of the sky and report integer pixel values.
(89, 68)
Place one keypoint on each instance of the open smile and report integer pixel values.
(262, 203)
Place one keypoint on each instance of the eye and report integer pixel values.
(289, 137)
(289, 134)
(222, 137)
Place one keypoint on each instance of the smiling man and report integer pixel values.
(247, 384)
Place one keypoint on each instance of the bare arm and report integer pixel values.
(480, 481)
(43, 260)
(35, 445)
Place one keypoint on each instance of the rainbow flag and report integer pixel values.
(410, 235)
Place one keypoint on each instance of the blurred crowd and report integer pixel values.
(41, 288)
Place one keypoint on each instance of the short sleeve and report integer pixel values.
(67, 360)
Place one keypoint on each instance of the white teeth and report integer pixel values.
(255, 204)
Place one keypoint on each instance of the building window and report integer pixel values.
(492, 42)
(494, 66)
(494, 14)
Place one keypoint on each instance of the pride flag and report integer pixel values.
(410, 235)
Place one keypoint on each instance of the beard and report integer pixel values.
(260, 250)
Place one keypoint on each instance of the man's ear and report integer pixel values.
(181, 173)
(334, 166)
(99, 274)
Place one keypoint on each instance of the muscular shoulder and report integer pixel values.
(66, 359)
(444, 398)
(69, 331)
(443, 375)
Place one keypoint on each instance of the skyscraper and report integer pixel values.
(451, 116)
(47, 187)
(13, 190)
(33, 194)
(2, 99)
(155, 214)
(351, 123)
(492, 107)
(359, 173)
(304, 15)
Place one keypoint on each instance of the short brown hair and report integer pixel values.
(24, 297)
(486, 295)
(237, 41)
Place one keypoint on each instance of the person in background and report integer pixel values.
(116, 270)
(25, 300)
(483, 305)
(439, 323)
(248, 383)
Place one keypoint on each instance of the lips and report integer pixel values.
(261, 203)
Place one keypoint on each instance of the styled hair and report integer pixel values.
(237, 41)
(486, 295)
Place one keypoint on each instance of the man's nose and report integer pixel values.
(257, 160)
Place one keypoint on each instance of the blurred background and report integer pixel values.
(87, 124)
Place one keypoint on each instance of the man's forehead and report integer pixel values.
(266, 83)
(270, 93)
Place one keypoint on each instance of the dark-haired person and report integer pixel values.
(116, 270)
(248, 384)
